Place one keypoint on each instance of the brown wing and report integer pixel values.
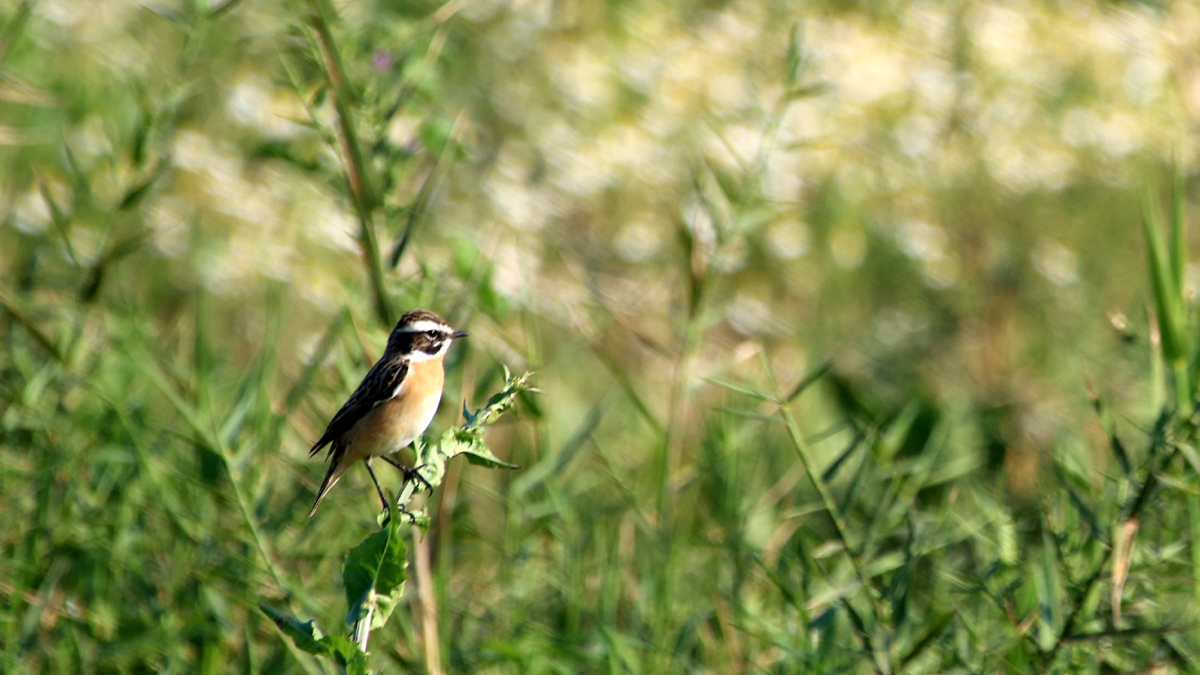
(381, 383)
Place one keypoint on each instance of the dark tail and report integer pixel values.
(331, 478)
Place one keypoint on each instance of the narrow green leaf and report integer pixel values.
(748, 414)
(1166, 301)
(931, 633)
(831, 472)
(18, 314)
(1114, 441)
(138, 192)
(746, 391)
(425, 195)
(795, 58)
(1178, 232)
(306, 635)
(809, 380)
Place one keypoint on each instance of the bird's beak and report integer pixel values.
(459, 334)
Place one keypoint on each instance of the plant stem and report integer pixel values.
(362, 194)
(1193, 502)
(429, 610)
(361, 633)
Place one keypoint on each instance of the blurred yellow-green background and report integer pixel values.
(211, 213)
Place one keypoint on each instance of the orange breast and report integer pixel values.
(391, 426)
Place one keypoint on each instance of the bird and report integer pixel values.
(394, 403)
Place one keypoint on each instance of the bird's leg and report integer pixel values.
(382, 498)
(410, 473)
(399, 507)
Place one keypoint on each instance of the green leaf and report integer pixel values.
(346, 653)
(795, 58)
(1166, 300)
(1178, 232)
(374, 574)
(306, 635)
(932, 631)
(477, 453)
(499, 403)
(357, 665)
(739, 389)
(138, 192)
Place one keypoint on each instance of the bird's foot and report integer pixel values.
(411, 473)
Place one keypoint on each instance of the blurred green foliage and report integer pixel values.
(675, 213)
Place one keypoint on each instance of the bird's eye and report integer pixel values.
(431, 334)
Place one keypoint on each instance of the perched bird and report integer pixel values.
(394, 403)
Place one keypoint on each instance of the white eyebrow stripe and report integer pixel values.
(422, 326)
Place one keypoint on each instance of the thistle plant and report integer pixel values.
(375, 571)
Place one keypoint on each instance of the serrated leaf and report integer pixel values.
(306, 635)
(499, 403)
(478, 454)
(345, 652)
(357, 665)
(374, 574)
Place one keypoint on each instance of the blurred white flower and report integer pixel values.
(86, 244)
(334, 227)
(934, 88)
(863, 64)
(788, 239)
(699, 222)
(30, 213)
(168, 218)
(638, 241)
(1056, 263)
(1143, 78)
(848, 246)
(727, 92)
(1191, 280)
(922, 240)
(626, 145)
(585, 76)
(248, 201)
(1001, 34)
(520, 206)
(514, 271)
(916, 134)
(196, 152)
(735, 146)
(749, 315)
(804, 121)
(254, 103)
(940, 272)
(249, 100)
(320, 290)
(90, 140)
(1027, 164)
(1121, 134)
(1081, 126)
(782, 179)
(640, 67)
(894, 325)
(732, 256)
